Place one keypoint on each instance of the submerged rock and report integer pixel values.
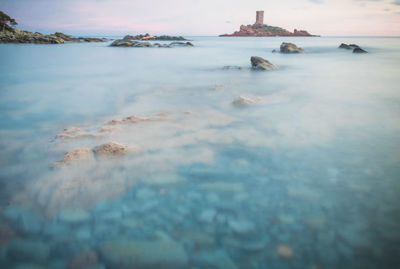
(216, 259)
(290, 48)
(6, 234)
(285, 251)
(111, 149)
(144, 254)
(74, 133)
(232, 67)
(241, 226)
(27, 250)
(76, 156)
(74, 216)
(259, 63)
(246, 100)
(85, 259)
(181, 44)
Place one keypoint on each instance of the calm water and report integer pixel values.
(309, 177)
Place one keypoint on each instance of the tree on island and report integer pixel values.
(6, 21)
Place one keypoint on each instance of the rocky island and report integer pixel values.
(8, 34)
(261, 29)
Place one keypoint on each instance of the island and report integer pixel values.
(261, 29)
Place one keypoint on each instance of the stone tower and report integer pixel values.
(259, 18)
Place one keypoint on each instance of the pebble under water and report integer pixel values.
(297, 167)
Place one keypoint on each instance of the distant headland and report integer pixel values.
(261, 29)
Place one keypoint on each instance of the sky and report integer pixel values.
(205, 17)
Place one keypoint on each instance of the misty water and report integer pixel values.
(307, 177)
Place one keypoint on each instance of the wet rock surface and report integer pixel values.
(354, 47)
(290, 48)
(258, 63)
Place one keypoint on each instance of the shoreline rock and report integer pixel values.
(21, 36)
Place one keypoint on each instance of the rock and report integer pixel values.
(26, 221)
(111, 149)
(246, 100)
(29, 266)
(181, 44)
(345, 46)
(76, 156)
(216, 259)
(74, 133)
(144, 254)
(6, 234)
(241, 226)
(85, 259)
(259, 63)
(74, 216)
(21, 36)
(254, 246)
(359, 50)
(290, 48)
(285, 251)
(232, 67)
(29, 251)
(207, 215)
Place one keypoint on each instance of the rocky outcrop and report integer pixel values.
(354, 47)
(258, 63)
(150, 37)
(290, 48)
(266, 30)
(21, 36)
(137, 44)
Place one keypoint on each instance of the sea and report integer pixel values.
(226, 167)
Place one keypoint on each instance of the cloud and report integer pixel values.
(317, 1)
(397, 2)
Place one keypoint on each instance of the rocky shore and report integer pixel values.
(21, 36)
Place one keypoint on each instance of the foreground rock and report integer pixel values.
(138, 44)
(259, 63)
(21, 36)
(76, 156)
(246, 100)
(114, 149)
(29, 251)
(144, 254)
(290, 48)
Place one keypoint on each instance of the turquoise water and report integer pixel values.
(309, 177)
